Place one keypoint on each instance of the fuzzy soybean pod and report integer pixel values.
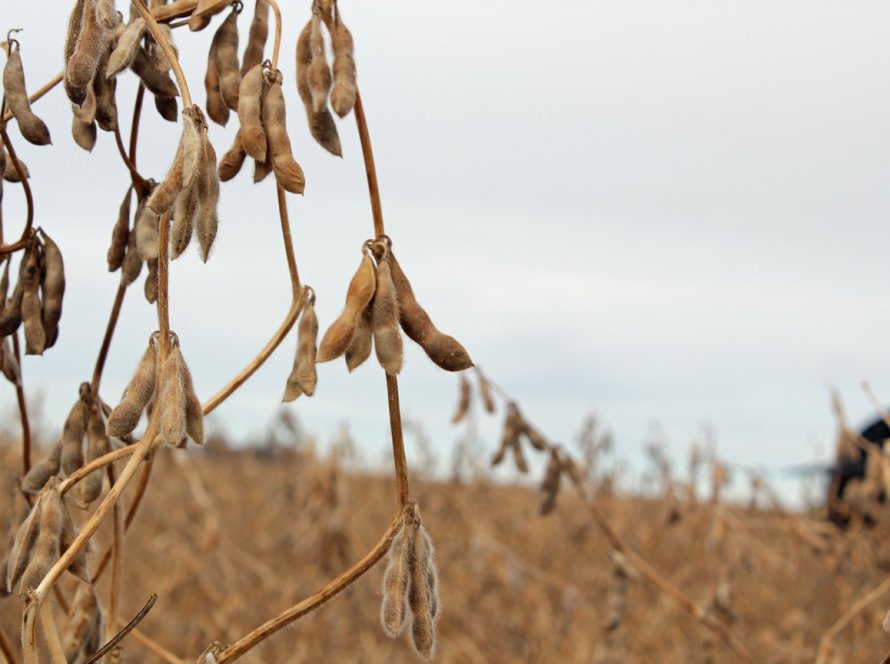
(78, 631)
(10, 173)
(182, 169)
(256, 38)
(35, 335)
(194, 413)
(11, 316)
(344, 90)
(232, 160)
(321, 124)
(126, 414)
(84, 60)
(250, 105)
(287, 170)
(359, 348)
(83, 126)
(120, 233)
(53, 288)
(33, 128)
(261, 169)
(132, 263)
(97, 445)
(78, 566)
(36, 478)
(216, 106)
(361, 289)
(23, 545)
(150, 289)
(303, 376)
(396, 577)
(172, 399)
(207, 216)
(183, 222)
(485, 392)
(20, 509)
(227, 60)
(463, 402)
(319, 72)
(10, 367)
(385, 321)
(423, 597)
(147, 232)
(444, 350)
(74, 431)
(126, 47)
(49, 534)
(155, 81)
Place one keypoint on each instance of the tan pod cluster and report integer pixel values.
(411, 584)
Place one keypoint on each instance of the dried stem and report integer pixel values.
(115, 455)
(29, 199)
(122, 634)
(296, 306)
(49, 85)
(370, 169)
(23, 406)
(117, 561)
(109, 333)
(277, 43)
(398, 441)
(137, 116)
(89, 529)
(138, 181)
(267, 629)
(159, 37)
(164, 288)
(57, 653)
(825, 643)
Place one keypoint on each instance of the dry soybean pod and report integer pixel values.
(77, 633)
(150, 288)
(344, 90)
(147, 234)
(132, 263)
(183, 222)
(485, 391)
(23, 545)
(226, 38)
(46, 549)
(420, 600)
(106, 14)
(35, 335)
(303, 376)
(120, 233)
(156, 82)
(207, 216)
(87, 51)
(104, 88)
(126, 414)
(11, 317)
(194, 413)
(394, 607)
(126, 47)
(182, 169)
(20, 509)
(444, 350)
(256, 38)
(319, 72)
(463, 402)
(385, 321)
(321, 125)
(74, 431)
(36, 478)
(250, 104)
(33, 128)
(78, 566)
(361, 289)
(359, 348)
(167, 107)
(10, 173)
(216, 106)
(261, 169)
(10, 367)
(53, 288)
(287, 170)
(97, 445)
(84, 133)
(232, 160)
(172, 399)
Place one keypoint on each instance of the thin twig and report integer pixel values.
(152, 24)
(370, 169)
(23, 406)
(109, 334)
(138, 181)
(115, 455)
(121, 635)
(825, 643)
(117, 559)
(29, 198)
(164, 288)
(137, 116)
(267, 629)
(51, 632)
(277, 43)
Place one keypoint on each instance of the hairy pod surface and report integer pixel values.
(33, 128)
(361, 289)
(36, 478)
(320, 79)
(442, 349)
(120, 233)
(20, 509)
(250, 104)
(172, 400)
(19, 555)
(156, 82)
(150, 288)
(78, 566)
(82, 64)
(10, 173)
(49, 531)
(126, 47)
(194, 413)
(385, 321)
(10, 366)
(74, 431)
(303, 377)
(207, 214)
(78, 633)
(227, 60)
(35, 335)
(125, 416)
(132, 263)
(396, 576)
(217, 109)
(232, 161)
(256, 37)
(360, 345)
(321, 125)
(344, 89)
(423, 599)
(287, 170)
(53, 288)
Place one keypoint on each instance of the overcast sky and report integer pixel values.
(655, 210)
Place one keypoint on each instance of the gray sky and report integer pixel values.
(660, 211)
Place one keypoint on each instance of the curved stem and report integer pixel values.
(152, 25)
(138, 181)
(137, 116)
(329, 590)
(109, 333)
(277, 43)
(29, 199)
(23, 407)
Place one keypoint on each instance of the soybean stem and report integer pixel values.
(109, 333)
(23, 406)
(277, 44)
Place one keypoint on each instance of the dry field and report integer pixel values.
(228, 539)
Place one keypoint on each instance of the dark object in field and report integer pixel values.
(852, 467)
